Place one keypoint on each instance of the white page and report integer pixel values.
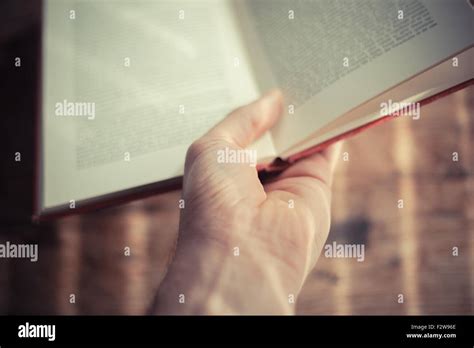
(305, 55)
(424, 85)
(175, 65)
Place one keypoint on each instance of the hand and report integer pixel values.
(244, 247)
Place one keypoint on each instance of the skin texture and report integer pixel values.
(279, 228)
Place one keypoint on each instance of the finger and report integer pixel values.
(308, 180)
(331, 153)
(319, 166)
(307, 185)
(246, 124)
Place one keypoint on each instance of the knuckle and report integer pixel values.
(255, 116)
(195, 149)
(255, 120)
(200, 147)
(252, 116)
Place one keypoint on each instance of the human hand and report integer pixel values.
(244, 247)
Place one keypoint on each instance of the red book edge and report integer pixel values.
(281, 164)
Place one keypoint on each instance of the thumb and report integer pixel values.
(246, 124)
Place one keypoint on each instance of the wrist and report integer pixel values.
(208, 276)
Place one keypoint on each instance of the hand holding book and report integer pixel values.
(234, 231)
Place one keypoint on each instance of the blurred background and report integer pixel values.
(408, 251)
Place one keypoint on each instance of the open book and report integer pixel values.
(127, 86)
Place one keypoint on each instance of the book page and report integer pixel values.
(331, 56)
(429, 83)
(129, 85)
